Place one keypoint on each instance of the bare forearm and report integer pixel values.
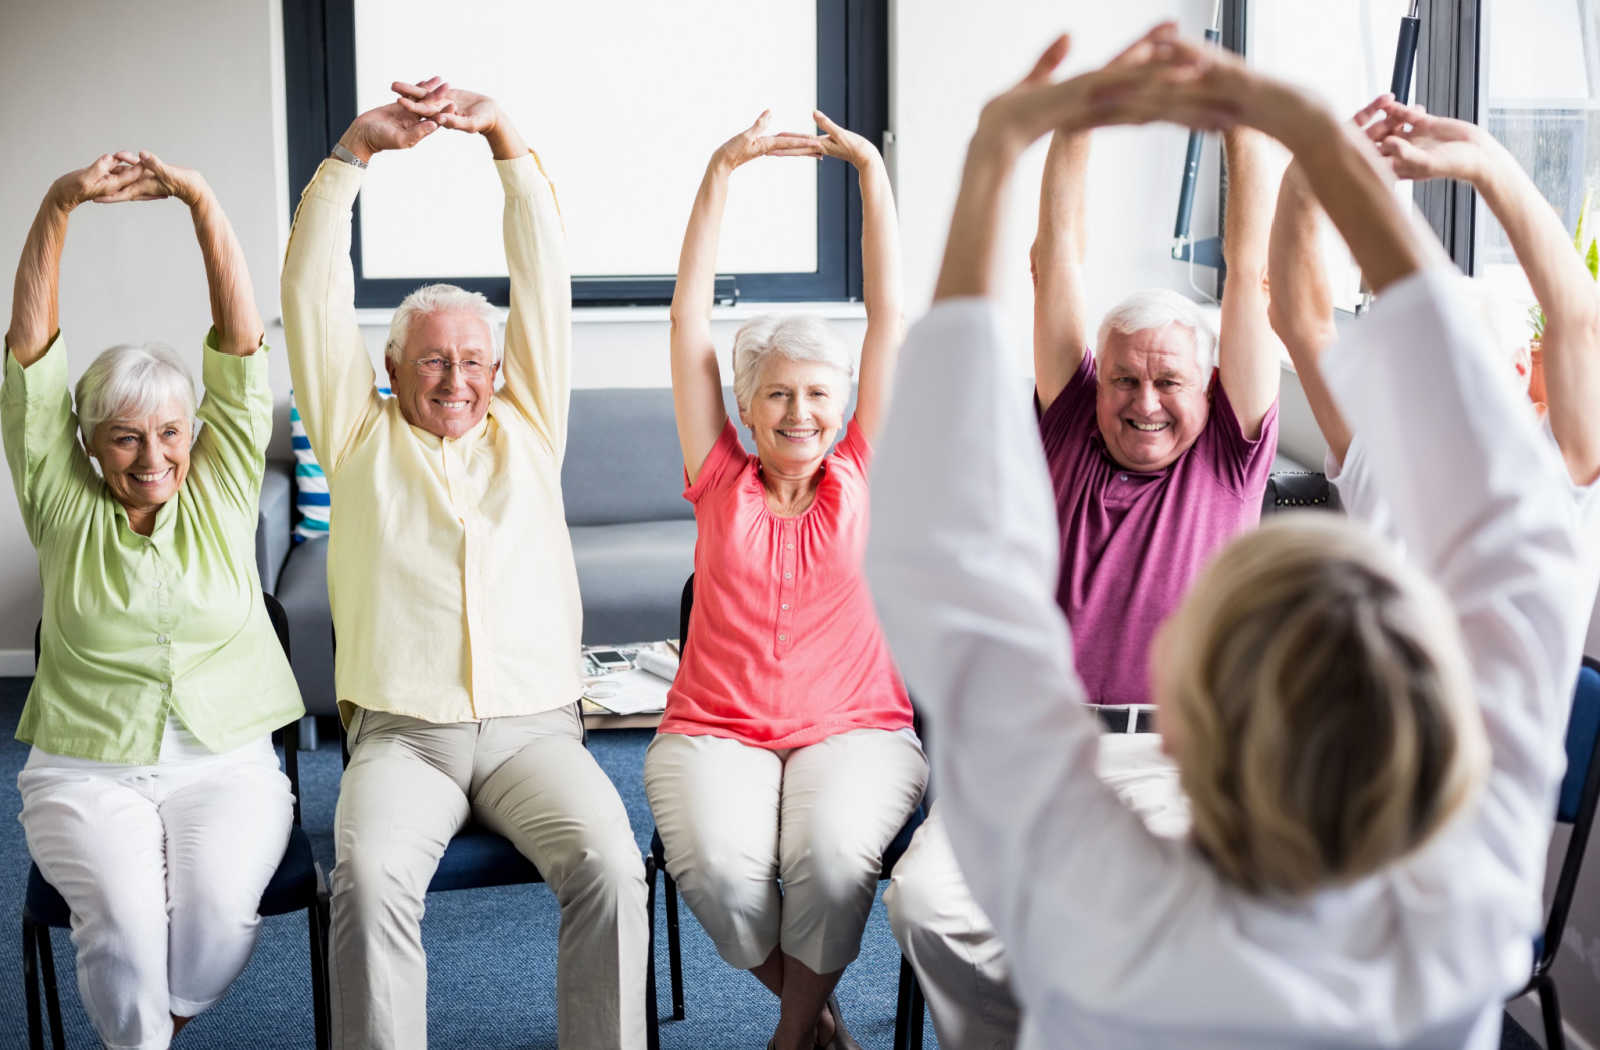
(881, 285)
(233, 299)
(1060, 324)
(971, 254)
(35, 298)
(694, 290)
(504, 140)
(1301, 307)
(1345, 174)
(1556, 272)
(1248, 223)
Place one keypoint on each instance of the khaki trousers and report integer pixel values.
(958, 959)
(782, 848)
(409, 787)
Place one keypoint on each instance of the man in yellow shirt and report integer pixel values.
(455, 599)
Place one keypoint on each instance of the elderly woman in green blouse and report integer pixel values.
(152, 798)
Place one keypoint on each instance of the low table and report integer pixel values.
(597, 716)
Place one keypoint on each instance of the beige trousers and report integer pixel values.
(409, 787)
(958, 959)
(782, 848)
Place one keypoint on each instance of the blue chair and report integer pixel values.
(1580, 794)
(297, 885)
(910, 1007)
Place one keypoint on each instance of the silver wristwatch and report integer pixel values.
(340, 153)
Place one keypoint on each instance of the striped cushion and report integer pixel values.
(310, 483)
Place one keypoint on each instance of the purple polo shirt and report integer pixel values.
(1131, 542)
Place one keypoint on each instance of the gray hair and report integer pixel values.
(436, 298)
(132, 382)
(1153, 308)
(797, 337)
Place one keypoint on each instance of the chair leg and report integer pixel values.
(652, 1012)
(319, 977)
(1550, 1006)
(674, 948)
(308, 733)
(52, 999)
(30, 986)
(919, 1012)
(902, 1007)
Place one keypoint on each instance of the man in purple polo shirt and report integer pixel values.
(1159, 445)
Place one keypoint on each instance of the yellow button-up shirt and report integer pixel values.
(140, 627)
(450, 569)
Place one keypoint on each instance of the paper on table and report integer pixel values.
(628, 692)
(663, 665)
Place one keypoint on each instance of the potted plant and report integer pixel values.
(1591, 259)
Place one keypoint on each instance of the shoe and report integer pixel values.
(842, 1039)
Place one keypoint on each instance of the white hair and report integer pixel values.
(1153, 308)
(796, 337)
(132, 382)
(436, 298)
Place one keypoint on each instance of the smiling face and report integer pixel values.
(797, 408)
(144, 460)
(1151, 402)
(445, 377)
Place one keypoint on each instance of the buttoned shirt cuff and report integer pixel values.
(336, 182)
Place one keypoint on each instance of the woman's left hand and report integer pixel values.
(159, 180)
(844, 143)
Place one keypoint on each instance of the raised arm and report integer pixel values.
(333, 376)
(1247, 350)
(696, 379)
(880, 276)
(1060, 313)
(36, 295)
(1301, 303)
(1423, 146)
(538, 336)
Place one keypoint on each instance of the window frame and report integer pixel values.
(852, 81)
(1448, 83)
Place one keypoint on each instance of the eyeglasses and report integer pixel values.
(439, 366)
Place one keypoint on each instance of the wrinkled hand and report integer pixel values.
(158, 181)
(1150, 80)
(843, 143)
(387, 127)
(453, 108)
(754, 142)
(110, 173)
(1423, 146)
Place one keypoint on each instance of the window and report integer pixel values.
(1540, 97)
(624, 102)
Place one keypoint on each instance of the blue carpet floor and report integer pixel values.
(491, 953)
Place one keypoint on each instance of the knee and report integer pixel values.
(369, 880)
(837, 872)
(610, 863)
(911, 900)
(116, 918)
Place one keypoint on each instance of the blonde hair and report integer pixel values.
(798, 337)
(1325, 719)
(132, 382)
(437, 298)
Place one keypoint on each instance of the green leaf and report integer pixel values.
(1593, 259)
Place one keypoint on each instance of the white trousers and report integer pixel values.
(409, 788)
(163, 867)
(738, 822)
(958, 959)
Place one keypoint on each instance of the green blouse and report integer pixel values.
(140, 627)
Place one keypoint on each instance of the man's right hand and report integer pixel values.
(388, 127)
(107, 177)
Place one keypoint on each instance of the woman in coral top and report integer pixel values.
(786, 762)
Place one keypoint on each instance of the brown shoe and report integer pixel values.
(842, 1039)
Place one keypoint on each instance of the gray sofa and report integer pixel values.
(632, 533)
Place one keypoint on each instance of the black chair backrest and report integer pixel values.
(1291, 489)
(685, 605)
(1576, 805)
